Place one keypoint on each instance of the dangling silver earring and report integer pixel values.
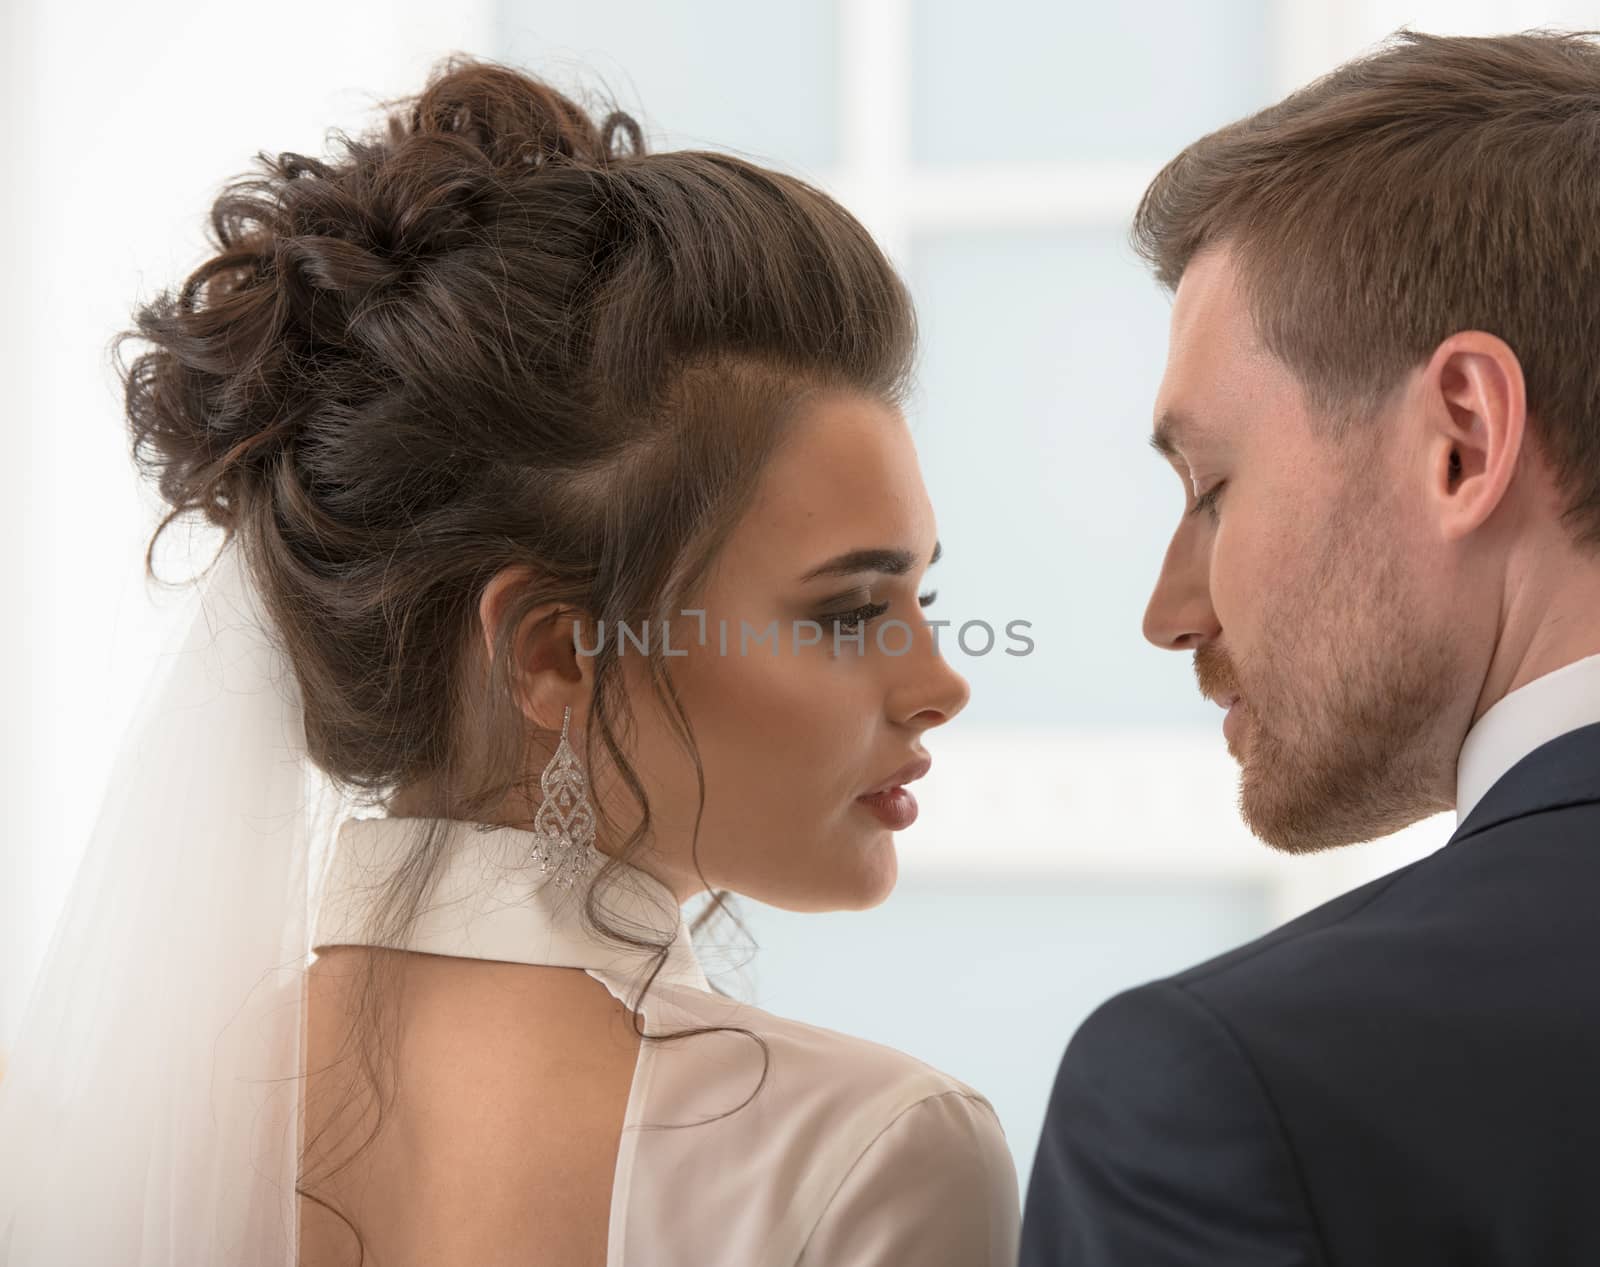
(563, 827)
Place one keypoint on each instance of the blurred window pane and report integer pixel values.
(1041, 355)
(759, 79)
(1018, 80)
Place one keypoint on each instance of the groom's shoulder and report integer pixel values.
(1181, 1041)
(1519, 889)
(1298, 969)
(1339, 930)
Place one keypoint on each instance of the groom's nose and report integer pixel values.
(1179, 616)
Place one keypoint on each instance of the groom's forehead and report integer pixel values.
(1217, 368)
(1211, 317)
(1201, 365)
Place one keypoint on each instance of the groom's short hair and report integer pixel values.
(1440, 183)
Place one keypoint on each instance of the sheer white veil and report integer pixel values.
(149, 1114)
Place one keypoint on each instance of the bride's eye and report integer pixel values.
(850, 621)
(857, 617)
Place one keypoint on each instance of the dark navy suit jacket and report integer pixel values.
(1407, 1076)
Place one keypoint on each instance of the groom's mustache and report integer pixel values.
(1214, 673)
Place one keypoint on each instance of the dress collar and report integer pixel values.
(1527, 718)
(492, 902)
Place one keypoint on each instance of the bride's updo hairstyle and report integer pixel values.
(494, 332)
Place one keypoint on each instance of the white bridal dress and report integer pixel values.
(852, 1155)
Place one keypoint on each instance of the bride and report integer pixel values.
(572, 483)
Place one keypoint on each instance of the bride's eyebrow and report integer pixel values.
(883, 559)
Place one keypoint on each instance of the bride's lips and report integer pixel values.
(891, 801)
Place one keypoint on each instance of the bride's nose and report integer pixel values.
(928, 690)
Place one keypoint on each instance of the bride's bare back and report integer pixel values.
(500, 1146)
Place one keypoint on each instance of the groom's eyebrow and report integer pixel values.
(1171, 429)
(878, 559)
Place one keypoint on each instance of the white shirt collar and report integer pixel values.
(491, 902)
(1526, 718)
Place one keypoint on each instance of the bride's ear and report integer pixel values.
(549, 670)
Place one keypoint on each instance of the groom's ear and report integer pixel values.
(1474, 417)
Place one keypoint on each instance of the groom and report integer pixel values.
(1382, 398)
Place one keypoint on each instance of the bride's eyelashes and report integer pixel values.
(858, 617)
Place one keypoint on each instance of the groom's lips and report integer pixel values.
(1233, 703)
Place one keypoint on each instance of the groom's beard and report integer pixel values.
(1343, 700)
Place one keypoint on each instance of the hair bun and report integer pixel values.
(514, 121)
(291, 312)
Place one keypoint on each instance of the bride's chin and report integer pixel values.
(842, 870)
(875, 875)
(855, 880)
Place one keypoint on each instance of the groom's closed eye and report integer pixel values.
(1207, 501)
